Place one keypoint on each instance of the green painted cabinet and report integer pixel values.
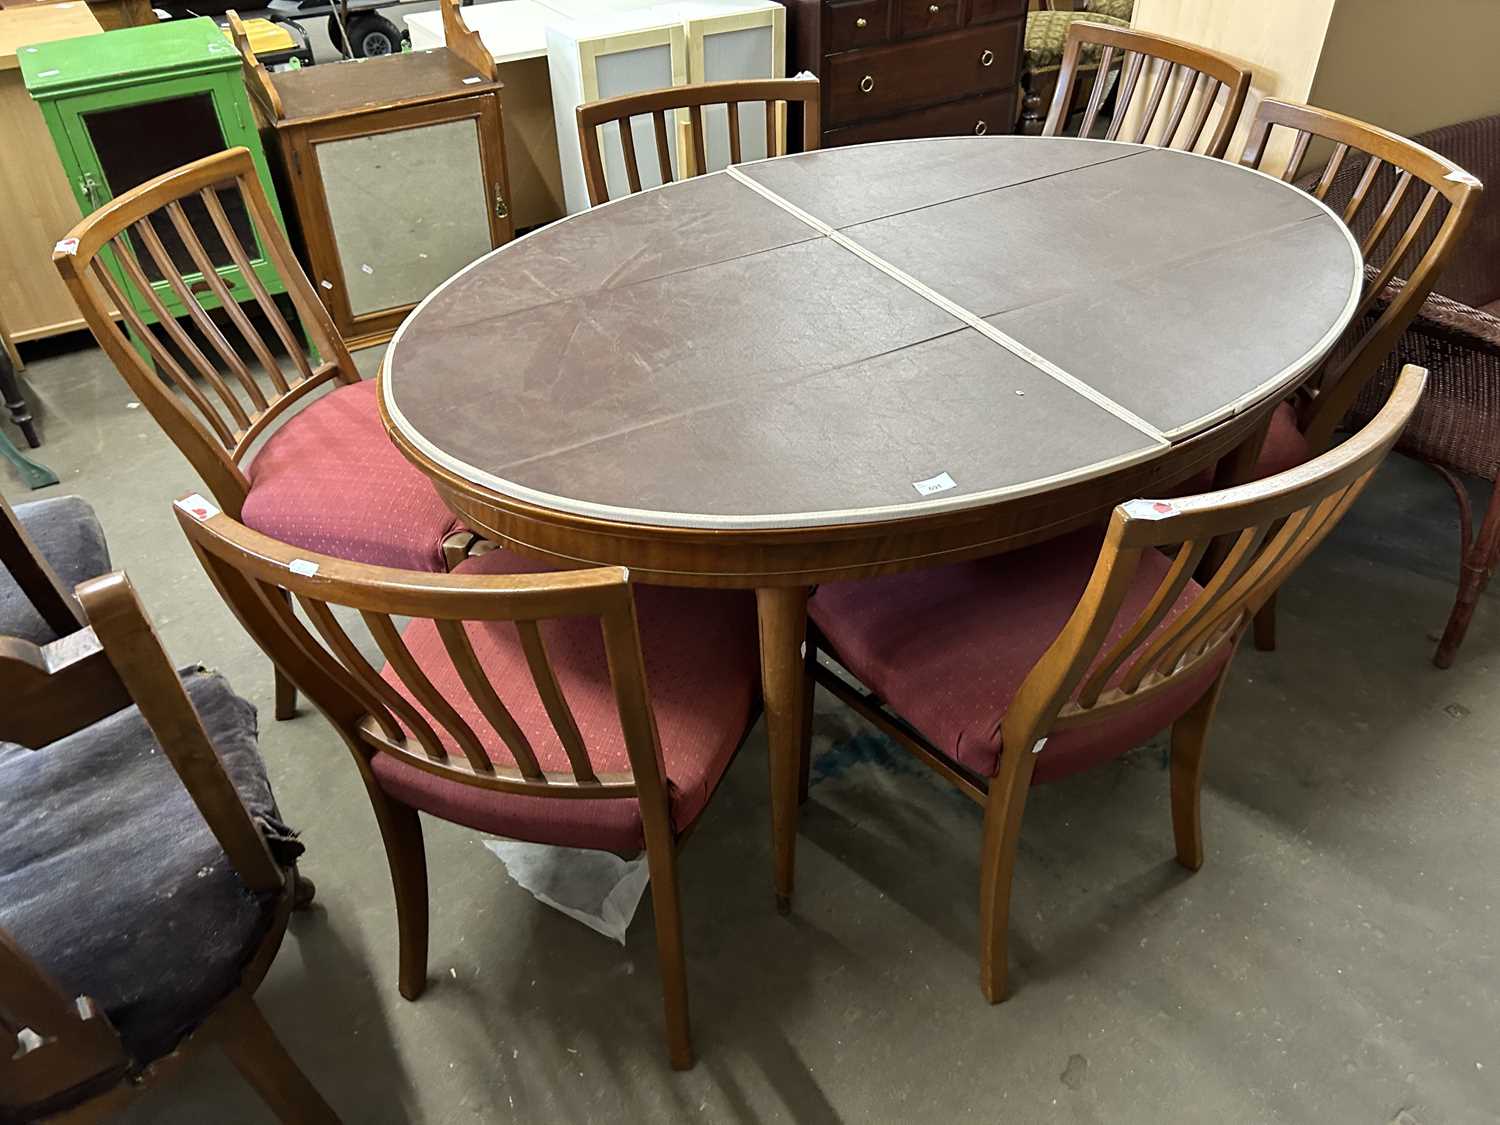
(128, 105)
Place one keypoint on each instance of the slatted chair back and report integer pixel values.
(1271, 526)
(212, 395)
(251, 572)
(1198, 80)
(1409, 208)
(777, 94)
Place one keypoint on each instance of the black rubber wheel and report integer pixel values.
(336, 36)
(373, 35)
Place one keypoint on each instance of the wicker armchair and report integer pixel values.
(1456, 336)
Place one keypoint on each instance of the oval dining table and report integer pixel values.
(861, 360)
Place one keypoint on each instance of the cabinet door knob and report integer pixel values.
(980, 128)
(934, 8)
(986, 58)
(867, 83)
(861, 22)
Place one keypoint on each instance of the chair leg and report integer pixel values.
(809, 689)
(1265, 626)
(1475, 568)
(303, 891)
(667, 907)
(401, 831)
(286, 691)
(258, 1055)
(286, 696)
(1002, 836)
(1189, 739)
(1471, 583)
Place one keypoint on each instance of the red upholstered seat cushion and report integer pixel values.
(330, 480)
(1284, 448)
(703, 673)
(947, 649)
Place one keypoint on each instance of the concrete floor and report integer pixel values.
(1335, 960)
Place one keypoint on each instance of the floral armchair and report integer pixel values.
(1046, 34)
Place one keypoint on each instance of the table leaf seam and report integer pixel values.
(954, 309)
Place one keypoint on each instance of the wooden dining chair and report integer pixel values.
(145, 878)
(324, 476)
(662, 106)
(515, 702)
(1028, 667)
(1197, 79)
(1409, 208)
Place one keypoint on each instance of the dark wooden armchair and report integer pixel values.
(145, 878)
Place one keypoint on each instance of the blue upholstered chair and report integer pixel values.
(145, 875)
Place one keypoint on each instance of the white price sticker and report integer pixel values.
(940, 483)
(198, 507)
(1150, 509)
(304, 567)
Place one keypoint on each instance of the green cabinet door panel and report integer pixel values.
(128, 105)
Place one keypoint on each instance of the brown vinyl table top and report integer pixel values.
(866, 333)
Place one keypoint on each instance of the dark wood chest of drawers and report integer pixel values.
(909, 68)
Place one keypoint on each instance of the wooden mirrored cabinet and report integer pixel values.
(395, 168)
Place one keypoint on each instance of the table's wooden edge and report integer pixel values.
(826, 552)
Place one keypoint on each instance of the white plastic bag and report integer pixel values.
(599, 889)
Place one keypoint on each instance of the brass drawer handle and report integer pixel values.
(986, 58)
(980, 128)
(867, 83)
(861, 22)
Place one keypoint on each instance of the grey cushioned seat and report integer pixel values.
(111, 880)
(69, 537)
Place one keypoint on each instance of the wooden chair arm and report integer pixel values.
(54, 690)
(37, 580)
(133, 647)
(49, 1043)
(1443, 318)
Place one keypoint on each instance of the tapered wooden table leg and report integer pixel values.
(783, 629)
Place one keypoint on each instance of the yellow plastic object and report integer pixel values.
(266, 38)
